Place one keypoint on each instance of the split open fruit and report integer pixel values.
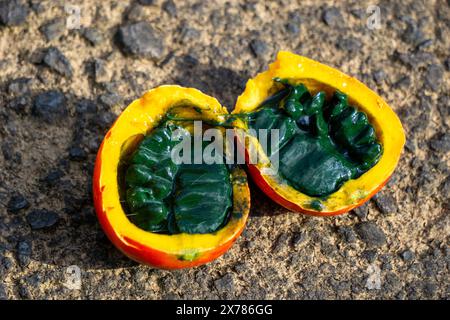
(341, 143)
(338, 144)
(155, 211)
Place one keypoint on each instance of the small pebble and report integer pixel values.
(440, 142)
(361, 211)
(407, 255)
(349, 44)
(332, 17)
(379, 76)
(77, 154)
(93, 35)
(225, 284)
(3, 294)
(13, 12)
(258, 47)
(50, 106)
(141, 40)
(19, 86)
(56, 61)
(52, 177)
(370, 233)
(16, 203)
(110, 99)
(385, 203)
(403, 82)
(369, 255)
(85, 106)
(170, 7)
(433, 76)
(53, 29)
(42, 219)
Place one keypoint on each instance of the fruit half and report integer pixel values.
(342, 141)
(156, 212)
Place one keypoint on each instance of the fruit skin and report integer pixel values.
(160, 250)
(319, 77)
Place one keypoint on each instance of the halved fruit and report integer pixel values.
(155, 211)
(339, 142)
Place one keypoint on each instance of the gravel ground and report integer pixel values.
(63, 81)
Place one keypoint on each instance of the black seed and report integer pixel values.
(41, 219)
(56, 61)
(370, 233)
(13, 12)
(16, 203)
(50, 106)
(140, 39)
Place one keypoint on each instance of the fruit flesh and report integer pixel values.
(165, 197)
(322, 144)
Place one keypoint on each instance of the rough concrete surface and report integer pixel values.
(63, 81)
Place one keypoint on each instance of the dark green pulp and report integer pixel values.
(322, 144)
(168, 198)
